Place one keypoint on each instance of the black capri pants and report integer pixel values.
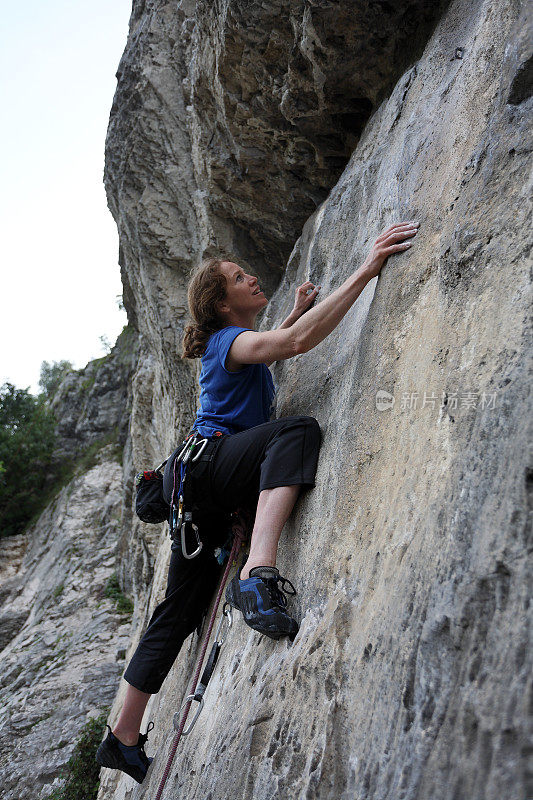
(283, 452)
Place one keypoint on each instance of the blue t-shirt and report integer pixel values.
(231, 401)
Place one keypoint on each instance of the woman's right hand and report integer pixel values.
(391, 241)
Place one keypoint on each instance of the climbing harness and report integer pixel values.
(179, 518)
(198, 690)
(150, 503)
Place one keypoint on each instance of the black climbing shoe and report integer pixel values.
(262, 603)
(133, 760)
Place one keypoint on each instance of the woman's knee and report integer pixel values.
(310, 422)
(312, 429)
(309, 426)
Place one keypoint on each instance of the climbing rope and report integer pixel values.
(239, 538)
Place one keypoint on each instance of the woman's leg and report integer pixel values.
(273, 510)
(264, 468)
(189, 590)
(190, 586)
(267, 465)
(129, 722)
(284, 450)
(281, 458)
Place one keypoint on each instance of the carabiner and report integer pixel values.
(181, 452)
(177, 720)
(202, 443)
(191, 446)
(226, 614)
(188, 518)
(160, 467)
(186, 444)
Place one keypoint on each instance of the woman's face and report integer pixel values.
(243, 293)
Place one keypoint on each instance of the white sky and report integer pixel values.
(59, 246)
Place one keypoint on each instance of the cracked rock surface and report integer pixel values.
(92, 403)
(287, 136)
(411, 674)
(64, 643)
(230, 124)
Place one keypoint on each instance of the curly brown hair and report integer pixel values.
(206, 287)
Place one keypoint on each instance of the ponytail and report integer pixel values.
(207, 287)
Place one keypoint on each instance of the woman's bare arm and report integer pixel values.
(305, 297)
(313, 327)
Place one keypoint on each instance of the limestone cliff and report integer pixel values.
(286, 136)
(93, 404)
(63, 640)
(233, 125)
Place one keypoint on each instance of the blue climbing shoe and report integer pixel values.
(262, 602)
(132, 760)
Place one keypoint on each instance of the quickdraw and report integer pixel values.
(206, 675)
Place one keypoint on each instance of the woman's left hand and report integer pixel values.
(303, 299)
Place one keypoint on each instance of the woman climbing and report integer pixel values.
(253, 464)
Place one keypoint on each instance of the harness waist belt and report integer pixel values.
(207, 451)
(206, 454)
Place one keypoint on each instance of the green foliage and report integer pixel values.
(113, 591)
(82, 773)
(89, 457)
(58, 591)
(52, 374)
(60, 475)
(27, 438)
(105, 343)
(65, 471)
(29, 478)
(87, 384)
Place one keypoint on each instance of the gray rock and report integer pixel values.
(410, 674)
(58, 662)
(287, 136)
(91, 405)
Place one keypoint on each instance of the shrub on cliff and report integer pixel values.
(82, 773)
(27, 437)
(52, 373)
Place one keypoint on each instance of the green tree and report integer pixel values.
(27, 438)
(105, 343)
(52, 373)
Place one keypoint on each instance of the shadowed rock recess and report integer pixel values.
(286, 136)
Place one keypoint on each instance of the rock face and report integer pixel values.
(409, 677)
(255, 111)
(63, 640)
(230, 124)
(91, 404)
(64, 643)
(233, 125)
